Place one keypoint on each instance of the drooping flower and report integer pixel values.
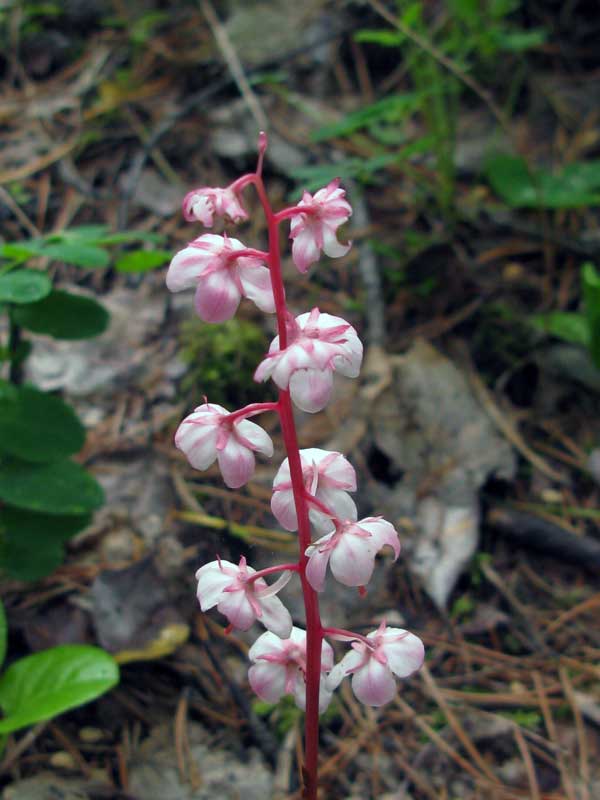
(328, 476)
(221, 278)
(208, 433)
(280, 668)
(350, 551)
(373, 662)
(242, 601)
(318, 345)
(208, 202)
(314, 228)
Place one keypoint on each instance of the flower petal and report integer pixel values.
(284, 509)
(404, 655)
(236, 463)
(237, 608)
(318, 558)
(311, 389)
(217, 297)
(275, 616)
(349, 662)
(267, 680)
(256, 284)
(198, 442)
(373, 683)
(254, 435)
(352, 561)
(212, 579)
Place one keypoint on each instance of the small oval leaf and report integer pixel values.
(142, 260)
(64, 316)
(43, 685)
(24, 286)
(60, 487)
(38, 426)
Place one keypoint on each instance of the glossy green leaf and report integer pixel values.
(64, 316)
(3, 634)
(43, 685)
(60, 487)
(142, 260)
(33, 544)
(24, 286)
(37, 426)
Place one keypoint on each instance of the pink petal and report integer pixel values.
(351, 561)
(284, 509)
(256, 284)
(305, 248)
(382, 533)
(211, 582)
(405, 655)
(311, 389)
(331, 246)
(275, 616)
(255, 436)
(318, 558)
(339, 502)
(374, 684)
(236, 463)
(349, 662)
(267, 680)
(266, 644)
(198, 442)
(237, 608)
(185, 268)
(338, 473)
(217, 297)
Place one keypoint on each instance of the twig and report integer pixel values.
(528, 762)
(17, 211)
(567, 783)
(533, 531)
(582, 744)
(21, 746)
(234, 64)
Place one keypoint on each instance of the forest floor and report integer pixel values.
(474, 433)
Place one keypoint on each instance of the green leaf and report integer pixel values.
(43, 685)
(590, 279)
(124, 237)
(576, 186)
(142, 260)
(3, 633)
(64, 316)
(386, 38)
(61, 487)
(313, 177)
(565, 325)
(39, 427)
(75, 252)
(24, 286)
(32, 544)
(389, 109)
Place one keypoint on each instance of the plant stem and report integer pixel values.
(314, 631)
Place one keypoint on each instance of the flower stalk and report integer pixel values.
(310, 489)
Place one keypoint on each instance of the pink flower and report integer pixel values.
(221, 277)
(208, 434)
(227, 586)
(314, 227)
(208, 202)
(350, 551)
(373, 662)
(327, 476)
(280, 668)
(319, 345)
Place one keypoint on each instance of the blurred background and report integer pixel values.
(467, 137)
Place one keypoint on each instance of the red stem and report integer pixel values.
(314, 631)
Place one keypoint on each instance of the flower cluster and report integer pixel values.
(311, 488)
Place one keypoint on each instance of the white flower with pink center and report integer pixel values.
(208, 202)
(314, 227)
(374, 661)
(350, 551)
(221, 276)
(210, 433)
(280, 668)
(327, 476)
(242, 600)
(318, 345)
